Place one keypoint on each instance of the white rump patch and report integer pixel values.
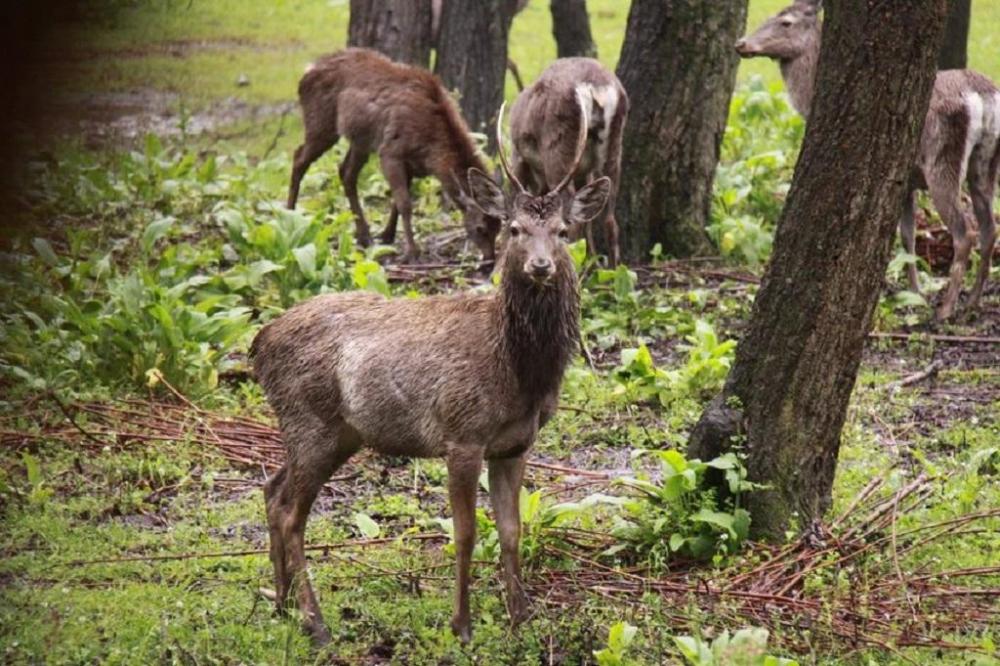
(606, 99)
(974, 107)
(309, 67)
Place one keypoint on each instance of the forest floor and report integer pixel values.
(133, 443)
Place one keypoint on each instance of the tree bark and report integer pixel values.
(472, 57)
(786, 397)
(401, 29)
(678, 67)
(571, 28)
(954, 50)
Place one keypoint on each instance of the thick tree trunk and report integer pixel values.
(954, 53)
(786, 397)
(472, 57)
(401, 29)
(571, 28)
(678, 67)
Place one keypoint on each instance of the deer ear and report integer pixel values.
(589, 201)
(486, 194)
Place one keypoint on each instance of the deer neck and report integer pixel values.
(538, 329)
(800, 76)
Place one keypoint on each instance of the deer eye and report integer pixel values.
(515, 230)
(564, 233)
(787, 22)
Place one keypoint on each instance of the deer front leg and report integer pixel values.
(394, 171)
(464, 465)
(505, 489)
(350, 169)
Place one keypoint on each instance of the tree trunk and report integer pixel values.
(472, 57)
(786, 397)
(678, 66)
(571, 28)
(954, 54)
(401, 29)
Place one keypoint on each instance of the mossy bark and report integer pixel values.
(401, 29)
(954, 50)
(571, 29)
(678, 66)
(786, 398)
(472, 57)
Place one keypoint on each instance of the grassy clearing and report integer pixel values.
(168, 258)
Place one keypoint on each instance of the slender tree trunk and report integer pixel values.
(678, 66)
(956, 35)
(472, 57)
(401, 29)
(571, 28)
(786, 397)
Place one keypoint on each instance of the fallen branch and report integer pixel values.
(927, 373)
(958, 339)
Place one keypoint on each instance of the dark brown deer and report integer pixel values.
(403, 114)
(467, 377)
(960, 141)
(544, 122)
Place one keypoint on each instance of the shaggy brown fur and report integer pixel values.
(960, 141)
(470, 377)
(403, 114)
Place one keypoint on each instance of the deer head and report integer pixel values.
(536, 228)
(785, 36)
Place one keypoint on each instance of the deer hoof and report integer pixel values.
(387, 237)
(519, 610)
(318, 632)
(462, 629)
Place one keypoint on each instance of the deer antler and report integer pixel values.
(581, 144)
(503, 158)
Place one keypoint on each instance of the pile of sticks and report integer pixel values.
(839, 586)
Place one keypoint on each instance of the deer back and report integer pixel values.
(545, 121)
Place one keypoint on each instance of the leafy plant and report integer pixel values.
(680, 515)
(620, 637)
(708, 362)
(746, 647)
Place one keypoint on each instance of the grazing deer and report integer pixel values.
(404, 114)
(467, 377)
(960, 140)
(544, 124)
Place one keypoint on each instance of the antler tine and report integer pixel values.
(581, 144)
(503, 158)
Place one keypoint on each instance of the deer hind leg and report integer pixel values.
(274, 498)
(982, 186)
(350, 169)
(305, 155)
(908, 232)
(945, 194)
(505, 489)
(464, 465)
(395, 173)
(316, 451)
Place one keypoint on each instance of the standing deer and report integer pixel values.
(467, 377)
(544, 123)
(960, 140)
(404, 114)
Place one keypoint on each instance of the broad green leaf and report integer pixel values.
(45, 251)
(156, 230)
(368, 527)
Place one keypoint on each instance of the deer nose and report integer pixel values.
(741, 46)
(540, 267)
